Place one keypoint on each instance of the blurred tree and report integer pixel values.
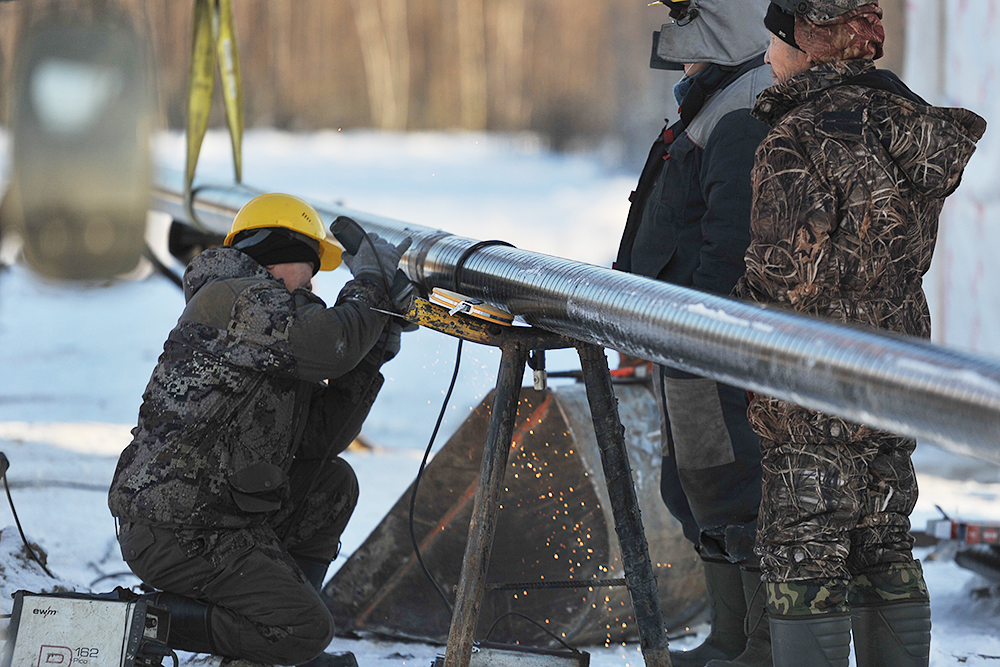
(385, 46)
(471, 26)
(894, 21)
(564, 68)
(510, 63)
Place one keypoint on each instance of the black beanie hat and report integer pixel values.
(781, 24)
(276, 245)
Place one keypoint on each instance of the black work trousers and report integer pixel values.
(710, 477)
(266, 610)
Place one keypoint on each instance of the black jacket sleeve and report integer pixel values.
(329, 342)
(339, 411)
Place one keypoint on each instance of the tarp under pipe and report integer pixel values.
(555, 524)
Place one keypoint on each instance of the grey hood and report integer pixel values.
(725, 32)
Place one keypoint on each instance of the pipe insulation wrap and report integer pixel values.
(897, 383)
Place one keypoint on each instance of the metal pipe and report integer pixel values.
(897, 383)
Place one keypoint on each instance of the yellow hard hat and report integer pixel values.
(291, 213)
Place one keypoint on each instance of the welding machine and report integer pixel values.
(80, 630)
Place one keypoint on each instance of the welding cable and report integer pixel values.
(528, 618)
(153, 653)
(460, 264)
(112, 575)
(420, 472)
(59, 484)
(4, 464)
(459, 267)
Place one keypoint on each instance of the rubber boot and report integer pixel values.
(727, 638)
(820, 640)
(896, 634)
(333, 660)
(315, 571)
(190, 622)
(756, 626)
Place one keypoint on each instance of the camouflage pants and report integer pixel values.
(834, 525)
(266, 609)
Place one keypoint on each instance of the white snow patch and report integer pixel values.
(84, 437)
(19, 572)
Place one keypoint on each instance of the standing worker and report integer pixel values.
(848, 186)
(231, 497)
(689, 225)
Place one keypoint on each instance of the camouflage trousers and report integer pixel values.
(266, 610)
(834, 525)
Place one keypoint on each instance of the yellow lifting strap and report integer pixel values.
(214, 39)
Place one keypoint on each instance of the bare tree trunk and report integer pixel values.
(10, 22)
(894, 21)
(398, 37)
(472, 63)
(283, 63)
(508, 68)
(375, 55)
(386, 54)
(511, 64)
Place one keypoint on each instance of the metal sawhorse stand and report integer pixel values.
(516, 343)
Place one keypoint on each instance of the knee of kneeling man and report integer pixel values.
(311, 640)
(343, 476)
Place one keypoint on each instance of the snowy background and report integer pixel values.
(74, 361)
(952, 60)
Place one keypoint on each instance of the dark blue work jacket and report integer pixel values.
(689, 223)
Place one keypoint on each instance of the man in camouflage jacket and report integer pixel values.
(231, 496)
(848, 186)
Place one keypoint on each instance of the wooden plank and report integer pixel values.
(486, 506)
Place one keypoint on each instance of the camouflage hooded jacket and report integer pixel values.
(848, 186)
(238, 392)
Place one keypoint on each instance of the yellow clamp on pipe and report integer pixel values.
(455, 315)
(214, 39)
(457, 303)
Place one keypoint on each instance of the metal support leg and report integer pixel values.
(624, 506)
(486, 506)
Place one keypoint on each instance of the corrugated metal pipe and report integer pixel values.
(897, 383)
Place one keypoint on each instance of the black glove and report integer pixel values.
(391, 339)
(378, 260)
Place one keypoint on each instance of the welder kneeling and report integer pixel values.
(231, 497)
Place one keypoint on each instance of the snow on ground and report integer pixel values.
(75, 359)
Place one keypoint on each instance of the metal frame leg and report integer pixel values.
(624, 506)
(486, 506)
